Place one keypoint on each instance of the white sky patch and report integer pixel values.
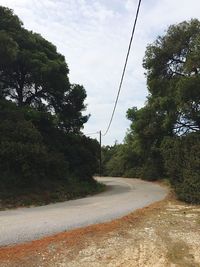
(94, 35)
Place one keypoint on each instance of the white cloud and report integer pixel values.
(93, 35)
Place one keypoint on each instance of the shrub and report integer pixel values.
(182, 162)
(36, 156)
(25, 162)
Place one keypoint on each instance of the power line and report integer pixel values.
(124, 69)
(91, 133)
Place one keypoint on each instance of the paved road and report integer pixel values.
(122, 197)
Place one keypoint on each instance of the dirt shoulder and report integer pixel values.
(166, 233)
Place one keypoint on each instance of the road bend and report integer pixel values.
(122, 196)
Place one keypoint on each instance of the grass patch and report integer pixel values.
(55, 193)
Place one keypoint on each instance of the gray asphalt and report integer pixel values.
(121, 197)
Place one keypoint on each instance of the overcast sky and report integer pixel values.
(93, 35)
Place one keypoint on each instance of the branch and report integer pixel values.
(190, 126)
(33, 96)
(178, 60)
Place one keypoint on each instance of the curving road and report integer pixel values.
(122, 197)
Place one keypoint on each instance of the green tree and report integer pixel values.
(172, 64)
(167, 128)
(25, 162)
(145, 136)
(33, 73)
(163, 139)
(173, 104)
(42, 150)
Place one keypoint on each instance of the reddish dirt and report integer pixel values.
(164, 234)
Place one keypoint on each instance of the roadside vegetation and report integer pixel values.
(164, 136)
(44, 157)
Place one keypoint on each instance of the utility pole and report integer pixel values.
(100, 159)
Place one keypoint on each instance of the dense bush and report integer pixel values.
(126, 161)
(25, 161)
(119, 160)
(37, 156)
(182, 162)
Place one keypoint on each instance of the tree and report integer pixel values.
(25, 161)
(167, 128)
(145, 136)
(163, 138)
(173, 104)
(43, 154)
(172, 64)
(33, 73)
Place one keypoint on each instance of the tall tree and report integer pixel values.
(33, 73)
(42, 151)
(173, 104)
(173, 76)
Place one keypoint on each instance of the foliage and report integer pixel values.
(30, 161)
(145, 135)
(24, 159)
(182, 162)
(33, 73)
(111, 161)
(41, 146)
(172, 65)
(163, 139)
(120, 160)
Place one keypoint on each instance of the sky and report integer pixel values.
(93, 35)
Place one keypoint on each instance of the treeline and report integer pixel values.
(43, 153)
(164, 137)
